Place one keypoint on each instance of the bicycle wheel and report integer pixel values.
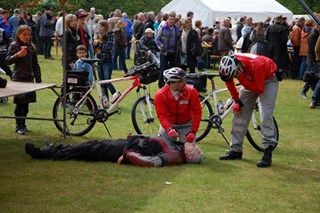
(205, 123)
(78, 121)
(254, 130)
(142, 121)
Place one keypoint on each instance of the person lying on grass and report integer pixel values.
(139, 150)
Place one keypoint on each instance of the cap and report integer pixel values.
(149, 30)
(81, 14)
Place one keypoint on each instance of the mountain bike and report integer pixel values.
(214, 115)
(82, 111)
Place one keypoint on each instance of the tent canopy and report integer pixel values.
(210, 10)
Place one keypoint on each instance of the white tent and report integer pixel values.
(210, 10)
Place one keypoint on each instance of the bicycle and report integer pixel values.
(82, 111)
(213, 116)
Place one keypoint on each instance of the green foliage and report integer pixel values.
(131, 7)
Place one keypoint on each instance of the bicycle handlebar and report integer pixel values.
(90, 61)
(139, 68)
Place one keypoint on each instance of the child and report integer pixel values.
(104, 48)
(23, 55)
(80, 65)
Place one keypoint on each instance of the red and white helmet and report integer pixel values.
(228, 67)
(174, 74)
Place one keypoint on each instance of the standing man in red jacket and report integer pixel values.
(257, 75)
(178, 107)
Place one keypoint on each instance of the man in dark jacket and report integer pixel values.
(46, 32)
(138, 150)
(277, 37)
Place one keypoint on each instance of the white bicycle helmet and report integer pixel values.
(174, 74)
(228, 67)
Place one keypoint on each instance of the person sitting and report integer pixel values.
(80, 65)
(139, 150)
(146, 46)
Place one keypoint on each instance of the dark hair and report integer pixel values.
(81, 47)
(190, 13)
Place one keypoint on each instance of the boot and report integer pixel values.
(33, 151)
(266, 160)
(19, 128)
(24, 127)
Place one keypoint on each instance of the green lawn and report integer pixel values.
(292, 184)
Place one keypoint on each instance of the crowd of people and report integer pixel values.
(178, 43)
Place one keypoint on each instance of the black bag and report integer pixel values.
(198, 81)
(311, 78)
(77, 78)
(148, 73)
(3, 82)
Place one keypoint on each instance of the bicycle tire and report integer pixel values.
(205, 123)
(76, 124)
(141, 120)
(254, 134)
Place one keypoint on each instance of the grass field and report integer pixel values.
(292, 184)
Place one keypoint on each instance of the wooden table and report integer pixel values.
(17, 88)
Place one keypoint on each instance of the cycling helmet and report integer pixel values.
(228, 67)
(174, 74)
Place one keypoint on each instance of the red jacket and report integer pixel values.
(186, 108)
(257, 70)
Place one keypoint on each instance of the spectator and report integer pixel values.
(138, 26)
(120, 40)
(190, 14)
(23, 55)
(277, 37)
(225, 42)
(4, 43)
(296, 42)
(5, 23)
(46, 32)
(190, 46)
(59, 28)
(128, 28)
(197, 27)
(15, 23)
(266, 23)
(239, 27)
(158, 21)
(82, 33)
(71, 41)
(245, 33)
(23, 18)
(166, 40)
(313, 60)
(146, 46)
(82, 66)
(208, 37)
(178, 107)
(104, 45)
(258, 40)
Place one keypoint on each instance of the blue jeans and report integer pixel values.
(316, 94)
(104, 73)
(121, 52)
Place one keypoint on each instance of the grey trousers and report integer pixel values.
(240, 122)
(182, 129)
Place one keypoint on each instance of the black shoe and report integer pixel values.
(33, 151)
(266, 159)
(231, 155)
(26, 130)
(20, 131)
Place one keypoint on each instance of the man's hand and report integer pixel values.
(190, 137)
(173, 133)
(237, 107)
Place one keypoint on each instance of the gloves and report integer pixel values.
(173, 133)
(190, 137)
(237, 107)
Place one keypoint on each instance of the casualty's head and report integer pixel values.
(193, 153)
